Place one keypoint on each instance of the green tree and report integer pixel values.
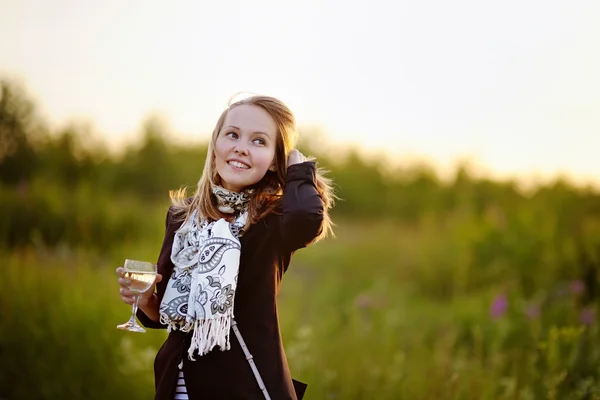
(18, 128)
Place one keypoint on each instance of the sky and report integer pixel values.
(514, 85)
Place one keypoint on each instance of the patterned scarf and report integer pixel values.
(201, 290)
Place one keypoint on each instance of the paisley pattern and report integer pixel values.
(200, 293)
(222, 299)
(183, 282)
(230, 202)
(213, 253)
(175, 307)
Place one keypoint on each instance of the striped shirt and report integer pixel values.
(180, 389)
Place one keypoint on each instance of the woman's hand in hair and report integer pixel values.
(296, 157)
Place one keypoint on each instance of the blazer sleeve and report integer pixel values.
(302, 209)
(165, 268)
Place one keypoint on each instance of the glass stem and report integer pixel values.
(134, 308)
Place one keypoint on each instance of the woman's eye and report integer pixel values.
(259, 141)
(232, 135)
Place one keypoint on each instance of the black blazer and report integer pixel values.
(267, 248)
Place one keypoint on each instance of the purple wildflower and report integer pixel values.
(22, 188)
(576, 287)
(532, 311)
(499, 306)
(363, 301)
(587, 316)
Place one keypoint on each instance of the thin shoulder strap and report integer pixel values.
(250, 359)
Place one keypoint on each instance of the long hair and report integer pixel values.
(267, 193)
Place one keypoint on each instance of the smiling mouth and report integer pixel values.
(238, 165)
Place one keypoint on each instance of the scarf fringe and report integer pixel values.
(175, 325)
(209, 333)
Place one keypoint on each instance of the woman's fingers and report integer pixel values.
(126, 294)
(295, 157)
(124, 282)
(125, 291)
(128, 300)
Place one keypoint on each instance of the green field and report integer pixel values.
(362, 317)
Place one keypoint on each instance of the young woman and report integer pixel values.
(224, 254)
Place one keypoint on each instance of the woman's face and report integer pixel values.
(245, 147)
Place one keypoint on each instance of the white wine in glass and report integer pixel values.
(142, 275)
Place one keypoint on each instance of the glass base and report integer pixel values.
(131, 327)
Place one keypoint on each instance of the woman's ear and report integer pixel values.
(273, 166)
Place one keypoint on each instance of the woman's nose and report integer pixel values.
(241, 150)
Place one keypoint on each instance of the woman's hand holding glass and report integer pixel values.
(137, 280)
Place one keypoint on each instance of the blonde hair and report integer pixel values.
(268, 191)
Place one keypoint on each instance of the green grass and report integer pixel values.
(381, 312)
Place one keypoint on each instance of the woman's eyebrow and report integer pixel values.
(255, 133)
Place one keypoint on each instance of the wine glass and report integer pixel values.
(141, 274)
